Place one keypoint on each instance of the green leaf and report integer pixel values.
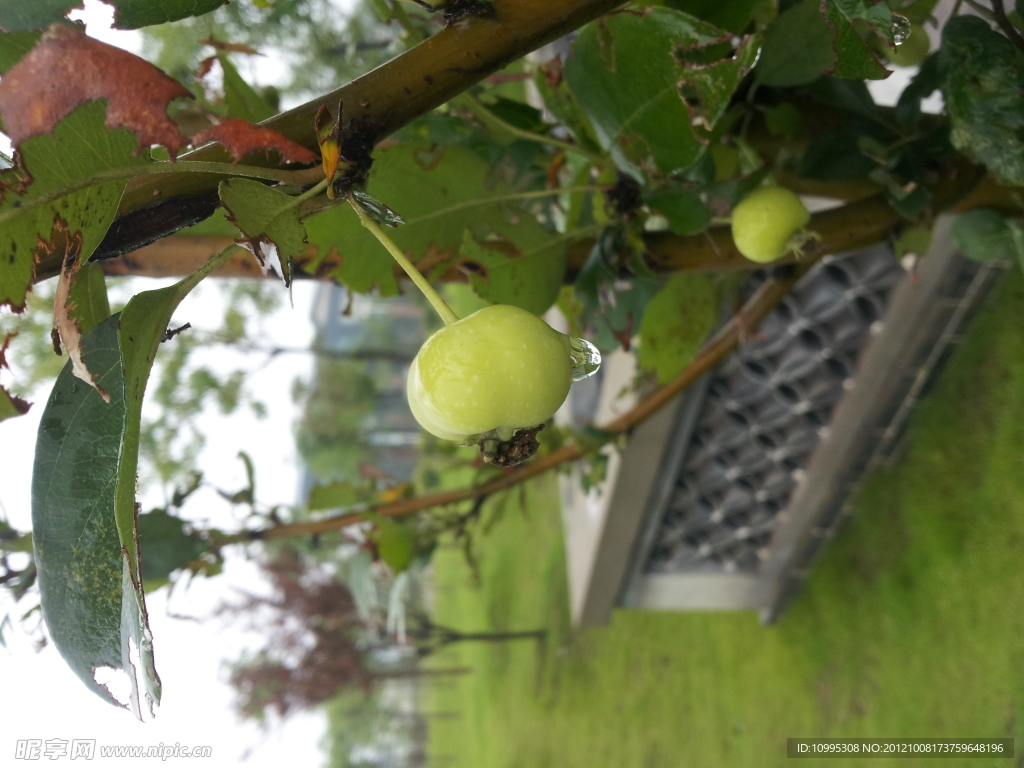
(654, 83)
(11, 405)
(13, 46)
(265, 216)
(338, 495)
(396, 541)
(985, 234)
(530, 278)
(88, 300)
(675, 324)
(686, 213)
(81, 146)
(440, 192)
(984, 80)
(734, 15)
(142, 325)
(854, 59)
(797, 47)
(243, 101)
(562, 104)
(168, 546)
(24, 15)
(91, 608)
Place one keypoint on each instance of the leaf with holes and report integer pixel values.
(23, 15)
(30, 193)
(655, 82)
(675, 324)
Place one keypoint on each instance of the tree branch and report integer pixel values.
(852, 226)
(1004, 24)
(392, 95)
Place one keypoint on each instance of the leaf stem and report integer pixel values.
(415, 275)
(155, 169)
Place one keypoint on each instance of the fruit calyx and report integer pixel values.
(508, 453)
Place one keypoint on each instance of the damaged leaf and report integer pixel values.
(67, 69)
(852, 57)
(79, 147)
(95, 615)
(67, 331)
(240, 138)
(269, 220)
(655, 82)
(10, 405)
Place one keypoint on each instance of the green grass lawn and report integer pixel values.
(912, 623)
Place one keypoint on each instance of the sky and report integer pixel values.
(43, 699)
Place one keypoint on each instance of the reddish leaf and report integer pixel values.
(66, 330)
(241, 137)
(67, 69)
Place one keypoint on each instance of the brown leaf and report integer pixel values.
(240, 137)
(66, 69)
(204, 67)
(235, 47)
(66, 330)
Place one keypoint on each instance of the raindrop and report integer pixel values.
(585, 357)
(900, 28)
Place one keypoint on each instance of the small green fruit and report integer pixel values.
(764, 222)
(500, 369)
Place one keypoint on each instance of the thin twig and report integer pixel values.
(1004, 24)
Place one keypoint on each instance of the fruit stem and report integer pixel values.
(415, 275)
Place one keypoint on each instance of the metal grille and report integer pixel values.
(765, 409)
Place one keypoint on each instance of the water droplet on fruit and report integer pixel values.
(585, 357)
(900, 28)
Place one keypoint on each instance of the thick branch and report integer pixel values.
(382, 101)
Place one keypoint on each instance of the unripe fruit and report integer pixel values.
(911, 51)
(501, 369)
(764, 222)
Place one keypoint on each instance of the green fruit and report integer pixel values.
(501, 369)
(764, 222)
(911, 51)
